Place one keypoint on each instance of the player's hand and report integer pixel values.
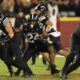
(2, 42)
(45, 34)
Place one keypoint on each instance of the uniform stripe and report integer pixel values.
(70, 19)
(5, 21)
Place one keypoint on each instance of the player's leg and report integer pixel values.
(70, 57)
(28, 53)
(52, 60)
(43, 60)
(18, 61)
(47, 57)
(50, 57)
(75, 64)
(45, 45)
(6, 57)
(58, 47)
(34, 58)
(68, 61)
(9, 66)
(51, 51)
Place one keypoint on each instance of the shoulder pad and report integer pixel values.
(42, 18)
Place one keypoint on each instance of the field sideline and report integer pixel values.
(40, 70)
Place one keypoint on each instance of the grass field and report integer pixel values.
(40, 70)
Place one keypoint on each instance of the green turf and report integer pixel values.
(40, 70)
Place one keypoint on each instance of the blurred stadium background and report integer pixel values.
(68, 14)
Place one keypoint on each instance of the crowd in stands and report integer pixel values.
(23, 7)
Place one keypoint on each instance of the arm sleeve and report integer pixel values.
(5, 20)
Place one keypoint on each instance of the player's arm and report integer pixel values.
(48, 24)
(8, 27)
(34, 8)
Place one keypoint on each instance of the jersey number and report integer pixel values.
(32, 37)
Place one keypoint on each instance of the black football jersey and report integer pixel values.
(3, 21)
(42, 19)
(32, 32)
(18, 22)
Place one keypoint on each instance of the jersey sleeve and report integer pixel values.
(5, 20)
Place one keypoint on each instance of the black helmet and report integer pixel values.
(42, 8)
(1, 1)
(33, 17)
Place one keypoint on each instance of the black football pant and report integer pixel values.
(74, 65)
(28, 53)
(17, 59)
(73, 57)
(34, 59)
